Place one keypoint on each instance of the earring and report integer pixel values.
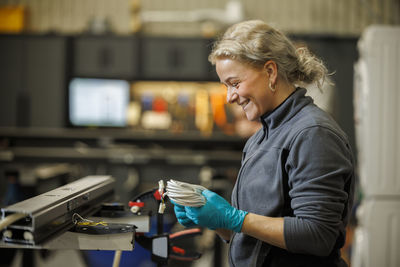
(271, 88)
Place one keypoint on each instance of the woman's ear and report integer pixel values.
(272, 70)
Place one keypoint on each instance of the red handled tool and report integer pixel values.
(162, 247)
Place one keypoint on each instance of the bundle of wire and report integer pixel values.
(185, 194)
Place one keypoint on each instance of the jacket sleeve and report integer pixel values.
(319, 165)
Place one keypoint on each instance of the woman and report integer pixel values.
(294, 191)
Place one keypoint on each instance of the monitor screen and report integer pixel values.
(98, 102)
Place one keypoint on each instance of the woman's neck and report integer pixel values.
(282, 91)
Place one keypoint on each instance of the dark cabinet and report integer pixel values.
(32, 81)
(175, 59)
(11, 78)
(105, 57)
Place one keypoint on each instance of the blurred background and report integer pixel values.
(124, 88)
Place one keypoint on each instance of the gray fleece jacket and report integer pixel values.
(298, 166)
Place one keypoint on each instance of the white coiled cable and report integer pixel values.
(185, 194)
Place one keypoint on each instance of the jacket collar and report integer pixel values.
(284, 112)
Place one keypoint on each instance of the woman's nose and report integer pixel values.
(231, 95)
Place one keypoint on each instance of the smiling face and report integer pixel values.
(247, 87)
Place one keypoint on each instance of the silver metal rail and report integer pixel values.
(51, 213)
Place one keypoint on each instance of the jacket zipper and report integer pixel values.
(237, 202)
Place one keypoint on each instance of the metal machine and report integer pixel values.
(40, 217)
(80, 216)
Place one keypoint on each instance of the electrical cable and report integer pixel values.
(117, 258)
(185, 194)
(11, 219)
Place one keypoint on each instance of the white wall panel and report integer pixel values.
(377, 110)
(377, 237)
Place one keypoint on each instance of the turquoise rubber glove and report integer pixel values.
(216, 213)
(180, 214)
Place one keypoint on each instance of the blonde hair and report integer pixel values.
(254, 42)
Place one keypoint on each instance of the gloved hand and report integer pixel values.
(216, 213)
(180, 214)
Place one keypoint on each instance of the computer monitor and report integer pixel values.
(98, 102)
